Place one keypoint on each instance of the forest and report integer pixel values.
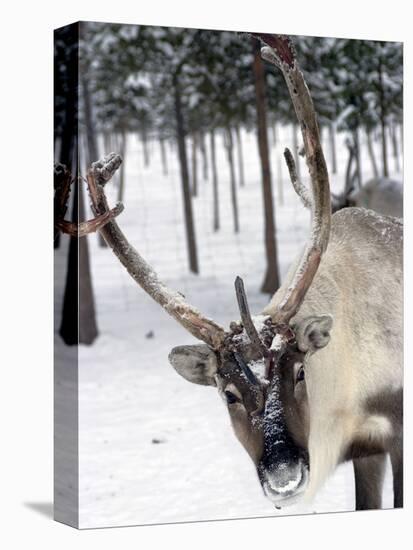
(181, 88)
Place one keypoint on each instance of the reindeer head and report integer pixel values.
(260, 375)
(258, 365)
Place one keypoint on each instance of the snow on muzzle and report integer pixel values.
(284, 483)
(283, 468)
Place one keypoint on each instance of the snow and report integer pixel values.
(258, 367)
(273, 410)
(129, 395)
(242, 338)
(277, 342)
(292, 484)
(259, 321)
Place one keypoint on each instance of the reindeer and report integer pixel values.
(316, 378)
(383, 195)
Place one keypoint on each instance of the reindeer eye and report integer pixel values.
(300, 375)
(230, 397)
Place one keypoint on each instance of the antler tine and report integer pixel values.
(281, 52)
(90, 226)
(246, 369)
(299, 188)
(173, 302)
(246, 317)
(62, 184)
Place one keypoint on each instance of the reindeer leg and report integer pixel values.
(396, 457)
(368, 476)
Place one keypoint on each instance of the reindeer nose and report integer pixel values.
(285, 478)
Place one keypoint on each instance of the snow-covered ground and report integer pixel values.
(154, 448)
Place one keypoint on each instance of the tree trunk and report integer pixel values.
(57, 148)
(69, 327)
(106, 143)
(229, 146)
(348, 181)
(66, 97)
(163, 156)
(69, 323)
(295, 149)
(215, 192)
(66, 152)
(371, 154)
(186, 193)
(92, 154)
(202, 147)
(240, 156)
(332, 136)
(121, 188)
(112, 139)
(88, 330)
(145, 148)
(383, 115)
(274, 133)
(348, 169)
(384, 148)
(92, 149)
(357, 157)
(271, 280)
(280, 187)
(194, 166)
(78, 322)
(78, 318)
(395, 147)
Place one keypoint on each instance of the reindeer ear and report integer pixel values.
(313, 333)
(197, 364)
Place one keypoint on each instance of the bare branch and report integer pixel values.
(280, 51)
(173, 302)
(299, 188)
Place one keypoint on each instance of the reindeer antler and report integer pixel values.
(280, 51)
(62, 183)
(246, 317)
(90, 226)
(173, 302)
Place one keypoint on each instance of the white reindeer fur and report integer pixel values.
(359, 283)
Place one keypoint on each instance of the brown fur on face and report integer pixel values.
(245, 414)
(293, 396)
